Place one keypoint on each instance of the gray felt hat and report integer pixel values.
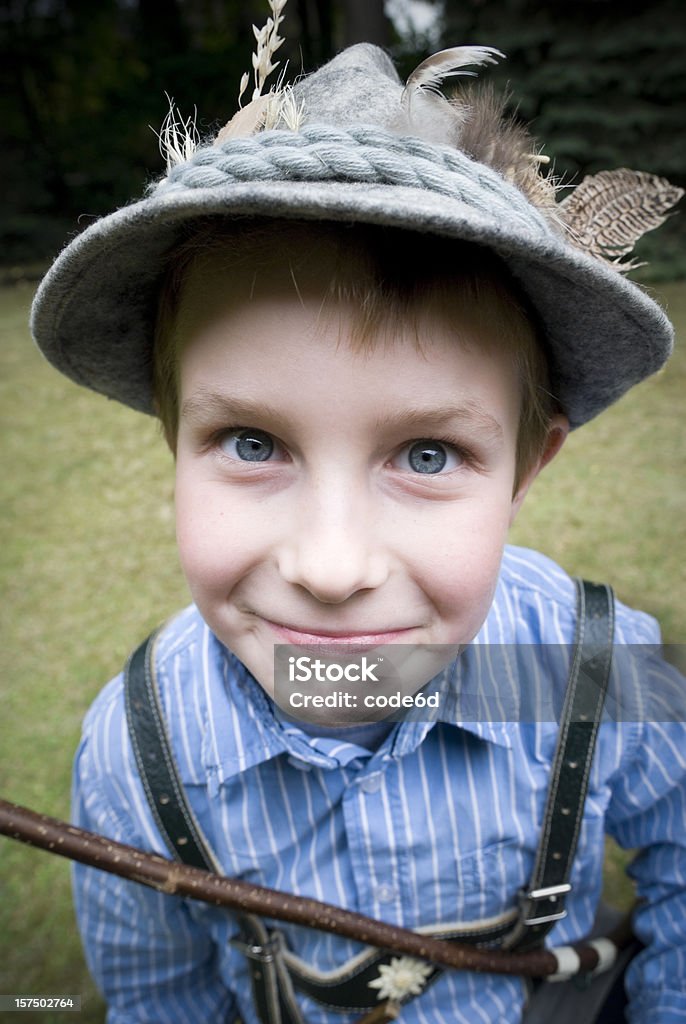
(354, 154)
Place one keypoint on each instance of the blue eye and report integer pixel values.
(430, 457)
(248, 445)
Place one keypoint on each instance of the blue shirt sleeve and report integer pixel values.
(648, 813)
(152, 961)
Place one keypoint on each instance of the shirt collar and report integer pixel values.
(243, 731)
(479, 692)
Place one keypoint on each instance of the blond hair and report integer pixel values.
(385, 276)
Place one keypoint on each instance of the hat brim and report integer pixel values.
(94, 314)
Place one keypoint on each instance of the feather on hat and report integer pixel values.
(351, 143)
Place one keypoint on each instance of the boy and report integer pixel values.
(363, 345)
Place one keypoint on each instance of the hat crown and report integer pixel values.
(367, 149)
(359, 86)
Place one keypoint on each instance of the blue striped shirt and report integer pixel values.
(440, 824)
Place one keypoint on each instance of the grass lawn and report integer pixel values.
(89, 566)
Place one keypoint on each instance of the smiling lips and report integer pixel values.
(350, 639)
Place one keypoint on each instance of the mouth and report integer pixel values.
(352, 640)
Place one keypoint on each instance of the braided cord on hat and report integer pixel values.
(361, 154)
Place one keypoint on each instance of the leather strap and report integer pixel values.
(156, 765)
(272, 989)
(349, 987)
(543, 903)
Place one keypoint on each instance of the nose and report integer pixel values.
(331, 549)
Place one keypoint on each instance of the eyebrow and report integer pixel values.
(468, 414)
(207, 406)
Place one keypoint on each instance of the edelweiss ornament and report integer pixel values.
(404, 976)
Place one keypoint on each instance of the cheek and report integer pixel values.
(198, 544)
(459, 568)
(215, 547)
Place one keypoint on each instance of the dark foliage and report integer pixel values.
(80, 84)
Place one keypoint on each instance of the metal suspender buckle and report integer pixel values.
(554, 911)
(265, 952)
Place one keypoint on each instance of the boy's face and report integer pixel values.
(327, 495)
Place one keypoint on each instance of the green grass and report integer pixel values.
(89, 566)
(611, 507)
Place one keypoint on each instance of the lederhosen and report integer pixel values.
(275, 971)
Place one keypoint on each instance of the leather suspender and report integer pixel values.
(543, 902)
(273, 970)
(155, 760)
(272, 989)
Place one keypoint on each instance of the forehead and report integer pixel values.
(271, 349)
(388, 281)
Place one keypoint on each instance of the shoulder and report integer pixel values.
(107, 786)
(177, 643)
(535, 602)
(216, 717)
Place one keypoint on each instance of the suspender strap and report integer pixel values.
(543, 903)
(152, 748)
(164, 790)
(274, 971)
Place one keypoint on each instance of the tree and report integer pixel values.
(80, 83)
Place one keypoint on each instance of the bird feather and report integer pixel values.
(474, 121)
(608, 212)
(432, 71)
(246, 121)
(487, 134)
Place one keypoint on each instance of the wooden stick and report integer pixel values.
(171, 877)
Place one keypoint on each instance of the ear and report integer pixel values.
(557, 435)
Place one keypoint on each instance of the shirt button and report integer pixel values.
(371, 783)
(385, 894)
